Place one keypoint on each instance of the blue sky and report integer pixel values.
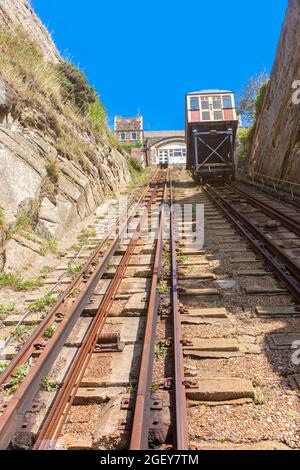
(145, 55)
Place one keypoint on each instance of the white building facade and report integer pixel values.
(165, 148)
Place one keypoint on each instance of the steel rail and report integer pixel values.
(285, 220)
(57, 416)
(261, 244)
(12, 413)
(141, 416)
(180, 391)
(52, 290)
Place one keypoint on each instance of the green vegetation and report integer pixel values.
(86, 235)
(3, 366)
(75, 293)
(45, 271)
(251, 99)
(251, 104)
(49, 246)
(135, 165)
(19, 332)
(17, 378)
(162, 288)
(155, 387)
(128, 147)
(216, 270)
(6, 310)
(74, 269)
(8, 280)
(41, 304)
(74, 86)
(53, 172)
(33, 283)
(97, 114)
(246, 138)
(160, 352)
(139, 175)
(2, 218)
(259, 101)
(13, 281)
(259, 401)
(48, 385)
(166, 258)
(181, 258)
(23, 222)
(49, 332)
(62, 97)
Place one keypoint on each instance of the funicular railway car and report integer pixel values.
(211, 127)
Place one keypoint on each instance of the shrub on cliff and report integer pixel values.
(2, 219)
(251, 104)
(245, 136)
(75, 86)
(135, 165)
(260, 100)
(248, 104)
(54, 98)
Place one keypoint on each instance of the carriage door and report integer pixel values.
(205, 109)
(216, 108)
(211, 108)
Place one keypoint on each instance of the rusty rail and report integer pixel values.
(142, 411)
(58, 414)
(262, 244)
(12, 413)
(141, 418)
(284, 219)
(180, 392)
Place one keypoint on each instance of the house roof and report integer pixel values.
(164, 134)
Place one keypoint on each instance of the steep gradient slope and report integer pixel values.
(57, 156)
(16, 13)
(276, 147)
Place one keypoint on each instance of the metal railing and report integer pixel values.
(278, 185)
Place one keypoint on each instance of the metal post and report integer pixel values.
(196, 149)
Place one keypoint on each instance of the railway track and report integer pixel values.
(272, 233)
(39, 353)
(181, 345)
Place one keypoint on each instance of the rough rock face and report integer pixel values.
(22, 169)
(276, 147)
(15, 13)
(25, 153)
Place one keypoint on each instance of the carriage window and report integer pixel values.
(227, 102)
(194, 103)
(218, 116)
(204, 103)
(217, 103)
(206, 116)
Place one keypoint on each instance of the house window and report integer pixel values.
(123, 136)
(134, 136)
(227, 102)
(194, 103)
